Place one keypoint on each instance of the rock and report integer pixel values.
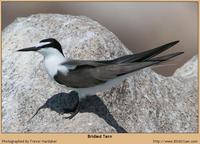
(145, 102)
(148, 102)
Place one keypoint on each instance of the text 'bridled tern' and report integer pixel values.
(87, 77)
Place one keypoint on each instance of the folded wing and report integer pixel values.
(83, 77)
(87, 73)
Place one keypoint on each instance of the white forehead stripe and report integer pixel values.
(42, 43)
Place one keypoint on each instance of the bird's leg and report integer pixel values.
(74, 111)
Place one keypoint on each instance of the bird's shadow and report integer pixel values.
(93, 104)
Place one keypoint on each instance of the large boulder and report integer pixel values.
(145, 102)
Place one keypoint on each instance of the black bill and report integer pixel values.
(28, 49)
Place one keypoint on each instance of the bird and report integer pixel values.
(87, 77)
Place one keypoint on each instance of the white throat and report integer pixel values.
(52, 60)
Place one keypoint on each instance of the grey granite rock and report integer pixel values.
(145, 102)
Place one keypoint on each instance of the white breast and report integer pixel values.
(52, 61)
(52, 65)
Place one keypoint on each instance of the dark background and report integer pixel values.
(139, 25)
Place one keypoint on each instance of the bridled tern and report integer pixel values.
(88, 77)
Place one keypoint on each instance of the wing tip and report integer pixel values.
(176, 54)
(174, 42)
(179, 53)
